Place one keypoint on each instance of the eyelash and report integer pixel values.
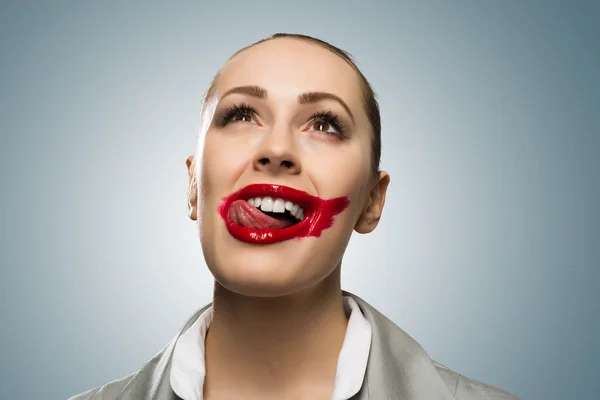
(322, 116)
(234, 111)
(331, 119)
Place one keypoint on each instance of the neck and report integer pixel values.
(270, 346)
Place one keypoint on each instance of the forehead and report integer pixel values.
(288, 66)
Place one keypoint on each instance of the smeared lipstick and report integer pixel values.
(318, 214)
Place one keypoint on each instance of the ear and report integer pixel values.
(192, 203)
(370, 216)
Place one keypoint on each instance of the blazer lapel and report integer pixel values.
(398, 367)
(153, 381)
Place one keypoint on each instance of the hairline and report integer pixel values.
(347, 57)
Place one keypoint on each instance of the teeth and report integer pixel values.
(294, 209)
(267, 204)
(277, 205)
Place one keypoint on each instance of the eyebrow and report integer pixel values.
(304, 98)
(254, 91)
(315, 97)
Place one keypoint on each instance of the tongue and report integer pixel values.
(243, 213)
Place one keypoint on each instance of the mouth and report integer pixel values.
(266, 213)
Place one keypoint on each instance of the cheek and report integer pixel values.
(351, 178)
(222, 162)
(343, 173)
(213, 177)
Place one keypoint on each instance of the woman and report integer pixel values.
(287, 167)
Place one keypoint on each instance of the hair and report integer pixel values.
(369, 97)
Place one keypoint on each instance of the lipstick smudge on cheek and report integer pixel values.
(323, 217)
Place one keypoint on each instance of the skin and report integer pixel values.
(279, 321)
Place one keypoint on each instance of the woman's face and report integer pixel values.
(272, 132)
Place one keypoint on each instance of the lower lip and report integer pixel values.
(319, 216)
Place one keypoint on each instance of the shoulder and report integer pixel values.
(393, 349)
(144, 381)
(108, 391)
(465, 388)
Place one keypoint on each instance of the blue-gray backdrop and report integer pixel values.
(488, 250)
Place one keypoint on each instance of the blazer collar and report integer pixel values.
(398, 367)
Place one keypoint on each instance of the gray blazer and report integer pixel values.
(398, 369)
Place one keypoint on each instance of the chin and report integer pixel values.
(260, 272)
(270, 270)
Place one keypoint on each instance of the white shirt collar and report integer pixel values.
(188, 368)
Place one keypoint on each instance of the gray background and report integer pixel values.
(488, 249)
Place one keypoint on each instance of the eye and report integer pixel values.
(322, 126)
(242, 118)
(327, 123)
(237, 113)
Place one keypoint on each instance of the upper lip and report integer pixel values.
(303, 199)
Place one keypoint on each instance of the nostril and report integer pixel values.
(264, 161)
(287, 164)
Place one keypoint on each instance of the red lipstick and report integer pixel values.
(318, 214)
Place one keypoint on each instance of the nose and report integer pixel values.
(276, 154)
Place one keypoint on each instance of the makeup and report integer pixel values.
(247, 223)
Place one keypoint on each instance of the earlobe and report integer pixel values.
(192, 203)
(369, 219)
